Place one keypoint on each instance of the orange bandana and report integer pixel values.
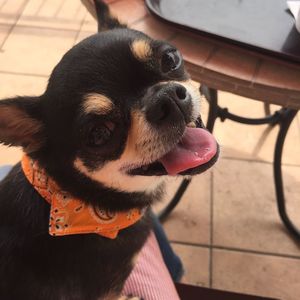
(69, 215)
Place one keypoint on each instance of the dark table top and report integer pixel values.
(264, 25)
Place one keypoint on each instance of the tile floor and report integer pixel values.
(226, 228)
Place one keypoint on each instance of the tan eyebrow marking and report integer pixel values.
(141, 49)
(97, 103)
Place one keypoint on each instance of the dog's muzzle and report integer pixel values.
(168, 104)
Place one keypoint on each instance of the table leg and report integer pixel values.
(175, 200)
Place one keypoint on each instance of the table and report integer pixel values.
(219, 65)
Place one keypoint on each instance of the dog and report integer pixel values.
(119, 115)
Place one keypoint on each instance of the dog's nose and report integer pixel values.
(170, 103)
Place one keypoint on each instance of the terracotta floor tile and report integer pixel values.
(13, 85)
(10, 10)
(9, 155)
(89, 24)
(64, 14)
(190, 221)
(262, 275)
(35, 51)
(82, 35)
(245, 210)
(4, 31)
(196, 264)
(253, 142)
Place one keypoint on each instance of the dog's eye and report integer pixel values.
(100, 134)
(171, 60)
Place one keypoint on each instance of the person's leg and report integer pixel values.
(4, 171)
(150, 279)
(171, 260)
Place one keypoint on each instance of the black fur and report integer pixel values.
(36, 266)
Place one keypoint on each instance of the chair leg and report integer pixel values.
(285, 123)
(211, 96)
(175, 200)
(284, 118)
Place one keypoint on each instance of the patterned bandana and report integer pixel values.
(69, 215)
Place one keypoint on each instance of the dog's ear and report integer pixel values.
(20, 123)
(100, 11)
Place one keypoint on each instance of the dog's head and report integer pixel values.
(119, 109)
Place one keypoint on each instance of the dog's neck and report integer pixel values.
(93, 192)
(69, 215)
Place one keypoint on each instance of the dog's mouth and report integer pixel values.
(196, 152)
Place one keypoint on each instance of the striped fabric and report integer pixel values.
(150, 278)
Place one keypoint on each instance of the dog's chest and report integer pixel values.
(76, 267)
(36, 265)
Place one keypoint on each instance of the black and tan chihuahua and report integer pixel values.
(118, 116)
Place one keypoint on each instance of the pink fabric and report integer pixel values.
(150, 278)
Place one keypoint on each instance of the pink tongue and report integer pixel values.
(196, 148)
